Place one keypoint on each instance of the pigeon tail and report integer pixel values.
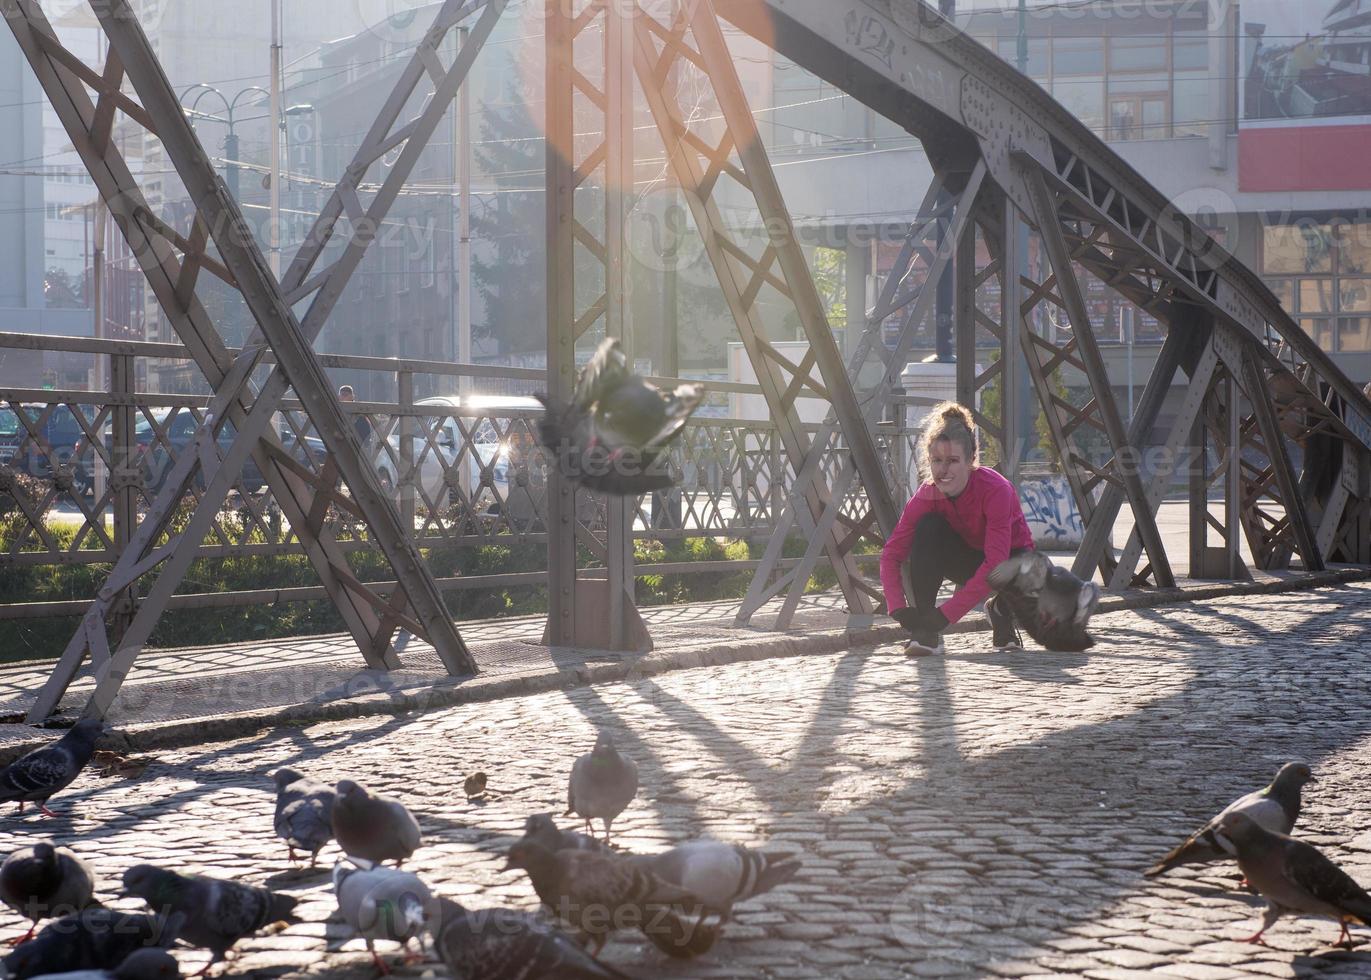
(1198, 849)
(775, 874)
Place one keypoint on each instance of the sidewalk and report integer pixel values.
(176, 697)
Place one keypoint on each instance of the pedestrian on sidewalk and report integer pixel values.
(963, 520)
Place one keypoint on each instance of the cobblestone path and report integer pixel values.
(981, 814)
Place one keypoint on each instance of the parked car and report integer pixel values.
(435, 461)
(20, 450)
(156, 457)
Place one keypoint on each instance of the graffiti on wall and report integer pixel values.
(1051, 512)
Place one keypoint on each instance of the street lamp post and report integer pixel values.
(231, 106)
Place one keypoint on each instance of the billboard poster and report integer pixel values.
(1305, 120)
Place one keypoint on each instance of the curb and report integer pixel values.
(447, 693)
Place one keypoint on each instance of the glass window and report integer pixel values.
(1189, 50)
(1153, 83)
(1078, 56)
(1354, 333)
(1316, 296)
(1354, 295)
(1083, 96)
(1354, 247)
(1154, 119)
(1190, 104)
(1285, 292)
(1298, 248)
(1137, 53)
(1037, 54)
(1321, 330)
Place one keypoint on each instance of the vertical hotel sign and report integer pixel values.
(1305, 122)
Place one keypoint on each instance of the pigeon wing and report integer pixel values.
(680, 404)
(38, 774)
(1309, 871)
(607, 367)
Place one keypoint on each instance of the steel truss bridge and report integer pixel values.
(1009, 162)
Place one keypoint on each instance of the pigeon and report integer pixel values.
(542, 829)
(382, 903)
(474, 785)
(304, 813)
(603, 783)
(1294, 877)
(43, 881)
(598, 892)
(1052, 605)
(1275, 807)
(502, 944)
(217, 913)
(143, 964)
(93, 939)
(371, 827)
(611, 436)
(108, 763)
(719, 874)
(36, 776)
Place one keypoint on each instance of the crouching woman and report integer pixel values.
(962, 521)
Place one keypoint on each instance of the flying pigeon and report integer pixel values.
(1275, 807)
(36, 776)
(372, 827)
(143, 964)
(43, 881)
(1294, 877)
(719, 874)
(383, 903)
(502, 944)
(610, 436)
(603, 783)
(598, 892)
(94, 939)
(542, 829)
(217, 913)
(1053, 606)
(304, 813)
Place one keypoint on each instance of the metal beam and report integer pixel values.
(561, 314)
(1096, 540)
(174, 288)
(726, 257)
(1186, 414)
(277, 321)
(942, 224)
(1255, 384)
(947, 237)
(1125, 454)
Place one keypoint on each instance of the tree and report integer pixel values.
(509, 272)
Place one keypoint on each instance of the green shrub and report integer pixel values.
(27, 639)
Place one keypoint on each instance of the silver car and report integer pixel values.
(501, 464)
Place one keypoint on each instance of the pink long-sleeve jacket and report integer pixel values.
(986, 515)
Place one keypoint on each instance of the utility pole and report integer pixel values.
(1024, 408)
(944, 328)
(277, 122)
(464, 219)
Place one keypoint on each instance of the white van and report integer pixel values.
(505, 462)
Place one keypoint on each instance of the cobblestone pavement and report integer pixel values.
(982, 814)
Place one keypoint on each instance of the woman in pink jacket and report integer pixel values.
(961, 522)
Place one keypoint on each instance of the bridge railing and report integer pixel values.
(78, 469)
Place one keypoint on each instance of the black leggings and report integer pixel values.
(937, 553)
